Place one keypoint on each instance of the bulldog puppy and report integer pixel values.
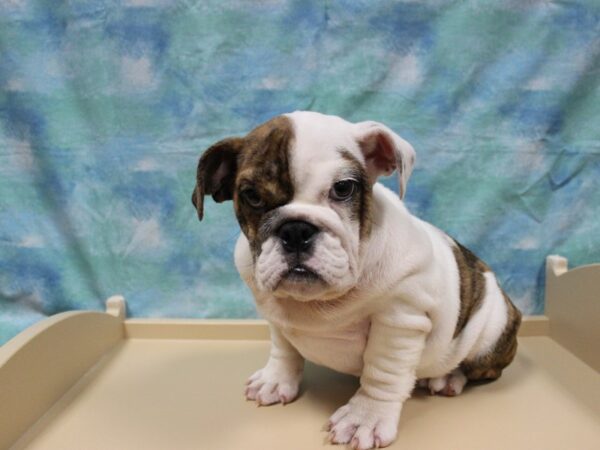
(347, 277)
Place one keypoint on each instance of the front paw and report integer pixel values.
(365, 422)
(274, 383)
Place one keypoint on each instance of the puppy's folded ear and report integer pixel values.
(216, 173)
(384, 152)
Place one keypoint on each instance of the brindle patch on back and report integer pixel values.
(472, 284)
(263, 164)
(361, 202)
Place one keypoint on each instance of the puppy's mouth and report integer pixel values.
(300, 283)
(300, 274)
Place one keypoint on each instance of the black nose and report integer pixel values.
(297, 236)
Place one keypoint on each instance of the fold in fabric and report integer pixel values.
(105, 108)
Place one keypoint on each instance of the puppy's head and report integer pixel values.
(301, 185)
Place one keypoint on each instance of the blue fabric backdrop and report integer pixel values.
(105, 107)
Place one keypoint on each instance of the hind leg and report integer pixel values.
(483, 367)
(449, 385)
(489, 366)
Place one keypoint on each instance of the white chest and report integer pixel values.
(341, 350)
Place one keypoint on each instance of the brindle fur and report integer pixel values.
(472, 292)
(490, 366)
(360, 202)
(259, 161)
(472, 284)
(216, 172)
(264, 166)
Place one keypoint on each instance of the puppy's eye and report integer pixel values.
(342, 190)
(252, 197)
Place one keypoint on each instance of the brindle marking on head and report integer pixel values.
(490, 366)
(215, 174)
(263, 165)
(360, 203)
(472, 284)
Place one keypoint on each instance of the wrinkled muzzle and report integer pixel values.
(309, 255)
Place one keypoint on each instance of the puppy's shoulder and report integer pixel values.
(464, 258)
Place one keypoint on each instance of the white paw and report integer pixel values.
(277, 382)
(365, 423)
(449, 385)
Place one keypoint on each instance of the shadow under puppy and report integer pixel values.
(347, 277)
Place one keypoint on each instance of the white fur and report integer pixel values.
(392, 302)
(279, 380)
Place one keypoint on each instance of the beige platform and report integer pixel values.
(89, 380)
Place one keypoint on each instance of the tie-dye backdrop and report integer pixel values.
(105, 107)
